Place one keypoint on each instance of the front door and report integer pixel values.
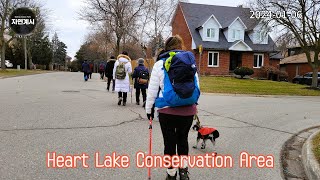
(235, 60)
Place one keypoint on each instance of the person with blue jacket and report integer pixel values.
(86, 70)
(141, 78)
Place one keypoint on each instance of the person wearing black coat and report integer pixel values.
(138, 85)
(109, 72)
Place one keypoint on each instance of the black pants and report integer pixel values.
(101, 74)
(144, 94)
(90, 74)
(113, 83)
(86, 75)
(123, 95)
(175, 130)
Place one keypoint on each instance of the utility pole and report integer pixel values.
(200, 57)
(25, 52)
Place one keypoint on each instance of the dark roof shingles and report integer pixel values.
(198, 13)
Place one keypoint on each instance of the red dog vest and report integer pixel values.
(206, 131)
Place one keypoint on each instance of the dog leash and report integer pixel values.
(196, 117)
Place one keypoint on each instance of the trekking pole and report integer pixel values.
(150, 146)
(131, 88)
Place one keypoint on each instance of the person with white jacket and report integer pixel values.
(122, 86)
(175, 122)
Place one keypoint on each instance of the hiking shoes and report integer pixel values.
(119, 101)
(171, 177)
(183, 173)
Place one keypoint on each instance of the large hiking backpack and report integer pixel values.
(143, 77)
(121, 71)
(180, 83)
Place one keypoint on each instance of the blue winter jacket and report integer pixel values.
(86, 67)
(135, 76)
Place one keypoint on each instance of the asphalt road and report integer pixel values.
(58, 112)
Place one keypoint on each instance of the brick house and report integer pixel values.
(230, 38)
(296, 64)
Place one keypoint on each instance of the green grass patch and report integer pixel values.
(316, 147)
(231, 85)
(13, 72)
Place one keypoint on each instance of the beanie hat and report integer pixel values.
(140, 61)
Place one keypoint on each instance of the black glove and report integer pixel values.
(151, 115)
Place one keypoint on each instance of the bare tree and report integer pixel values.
(153, 22)
(300, 19)
(102, 41)
(105, 38)
(54, 45)
(285, 40)
(158, 16)
(119, 15)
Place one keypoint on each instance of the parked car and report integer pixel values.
(305, 79)
(8, 64)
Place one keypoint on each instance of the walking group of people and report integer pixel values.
(118, 71)
(173, 92)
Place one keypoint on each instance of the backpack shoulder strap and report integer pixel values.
(145, 69)
(168, 61)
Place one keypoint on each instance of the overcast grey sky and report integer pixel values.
(64, 20)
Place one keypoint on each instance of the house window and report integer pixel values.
(236, 34)
(258, 60)
(210, 33)
(213, 59)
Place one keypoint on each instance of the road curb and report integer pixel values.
(311, 165)
(257, 95)
(15, 76)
